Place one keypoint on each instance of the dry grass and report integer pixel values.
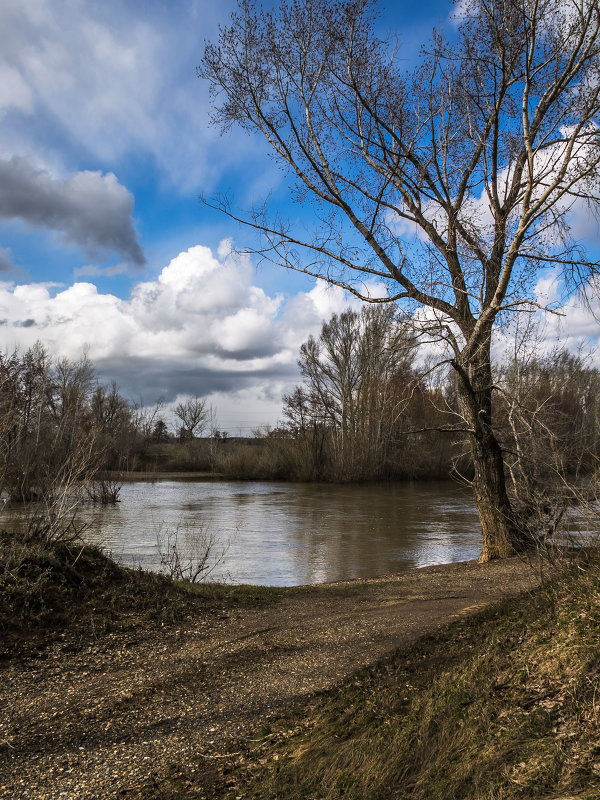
(503, 705)
(47, 588)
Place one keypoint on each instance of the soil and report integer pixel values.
(115, 715)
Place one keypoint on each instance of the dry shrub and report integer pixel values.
(191, 552)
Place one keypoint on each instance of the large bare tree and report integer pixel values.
(452, 183)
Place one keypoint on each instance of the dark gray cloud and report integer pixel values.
(260, 349)
(89, 209)
(149, 380)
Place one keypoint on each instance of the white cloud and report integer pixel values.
(575, 327)
(477, 215)
(110, 79)
(548, 288)
(323, 300)
(578, 325)
(14, 91)
(585, 222)
(202, 327)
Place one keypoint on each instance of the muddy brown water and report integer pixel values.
(284, 534)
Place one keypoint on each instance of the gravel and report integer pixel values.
(117, 714)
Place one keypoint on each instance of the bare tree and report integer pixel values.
(452, 184)
(145, 417)
(117, 423)
(350, 391)
(548, 409)
(193, 415)
(58, 428)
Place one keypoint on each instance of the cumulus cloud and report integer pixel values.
(202, 327)
(574, 328)
(577, 324)
(581, 215)
(89, 209)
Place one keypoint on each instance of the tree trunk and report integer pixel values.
(501, 536)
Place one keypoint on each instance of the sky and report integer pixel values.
(105, 147)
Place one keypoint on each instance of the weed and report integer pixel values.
(104, 490)
(190, 552)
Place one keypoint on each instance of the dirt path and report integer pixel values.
(123, 711)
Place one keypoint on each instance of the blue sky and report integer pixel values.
(105, 146)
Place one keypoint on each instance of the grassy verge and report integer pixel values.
(503, 705)
(47, 588)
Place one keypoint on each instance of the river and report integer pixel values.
(287, 534)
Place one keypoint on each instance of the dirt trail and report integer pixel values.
(120, 712)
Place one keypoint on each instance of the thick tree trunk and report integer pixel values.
(501, 536)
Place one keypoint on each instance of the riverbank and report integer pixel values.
(498, 705)
(155, 690)
(132, 477)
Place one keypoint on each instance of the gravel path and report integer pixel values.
(108, 717)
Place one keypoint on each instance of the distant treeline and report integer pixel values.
(364, 411)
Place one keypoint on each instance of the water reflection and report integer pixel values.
(291, 534)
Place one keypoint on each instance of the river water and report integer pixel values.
(286, 534)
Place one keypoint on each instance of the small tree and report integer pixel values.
(193, 415)
(452, 184)
(160, 432)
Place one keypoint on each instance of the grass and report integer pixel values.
(50, 587)
(502, 705)
(47, 588)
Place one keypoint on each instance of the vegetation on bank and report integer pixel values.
(364, 411)
(500, 705)
(49, 588)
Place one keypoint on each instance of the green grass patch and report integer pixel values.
(502, 705)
